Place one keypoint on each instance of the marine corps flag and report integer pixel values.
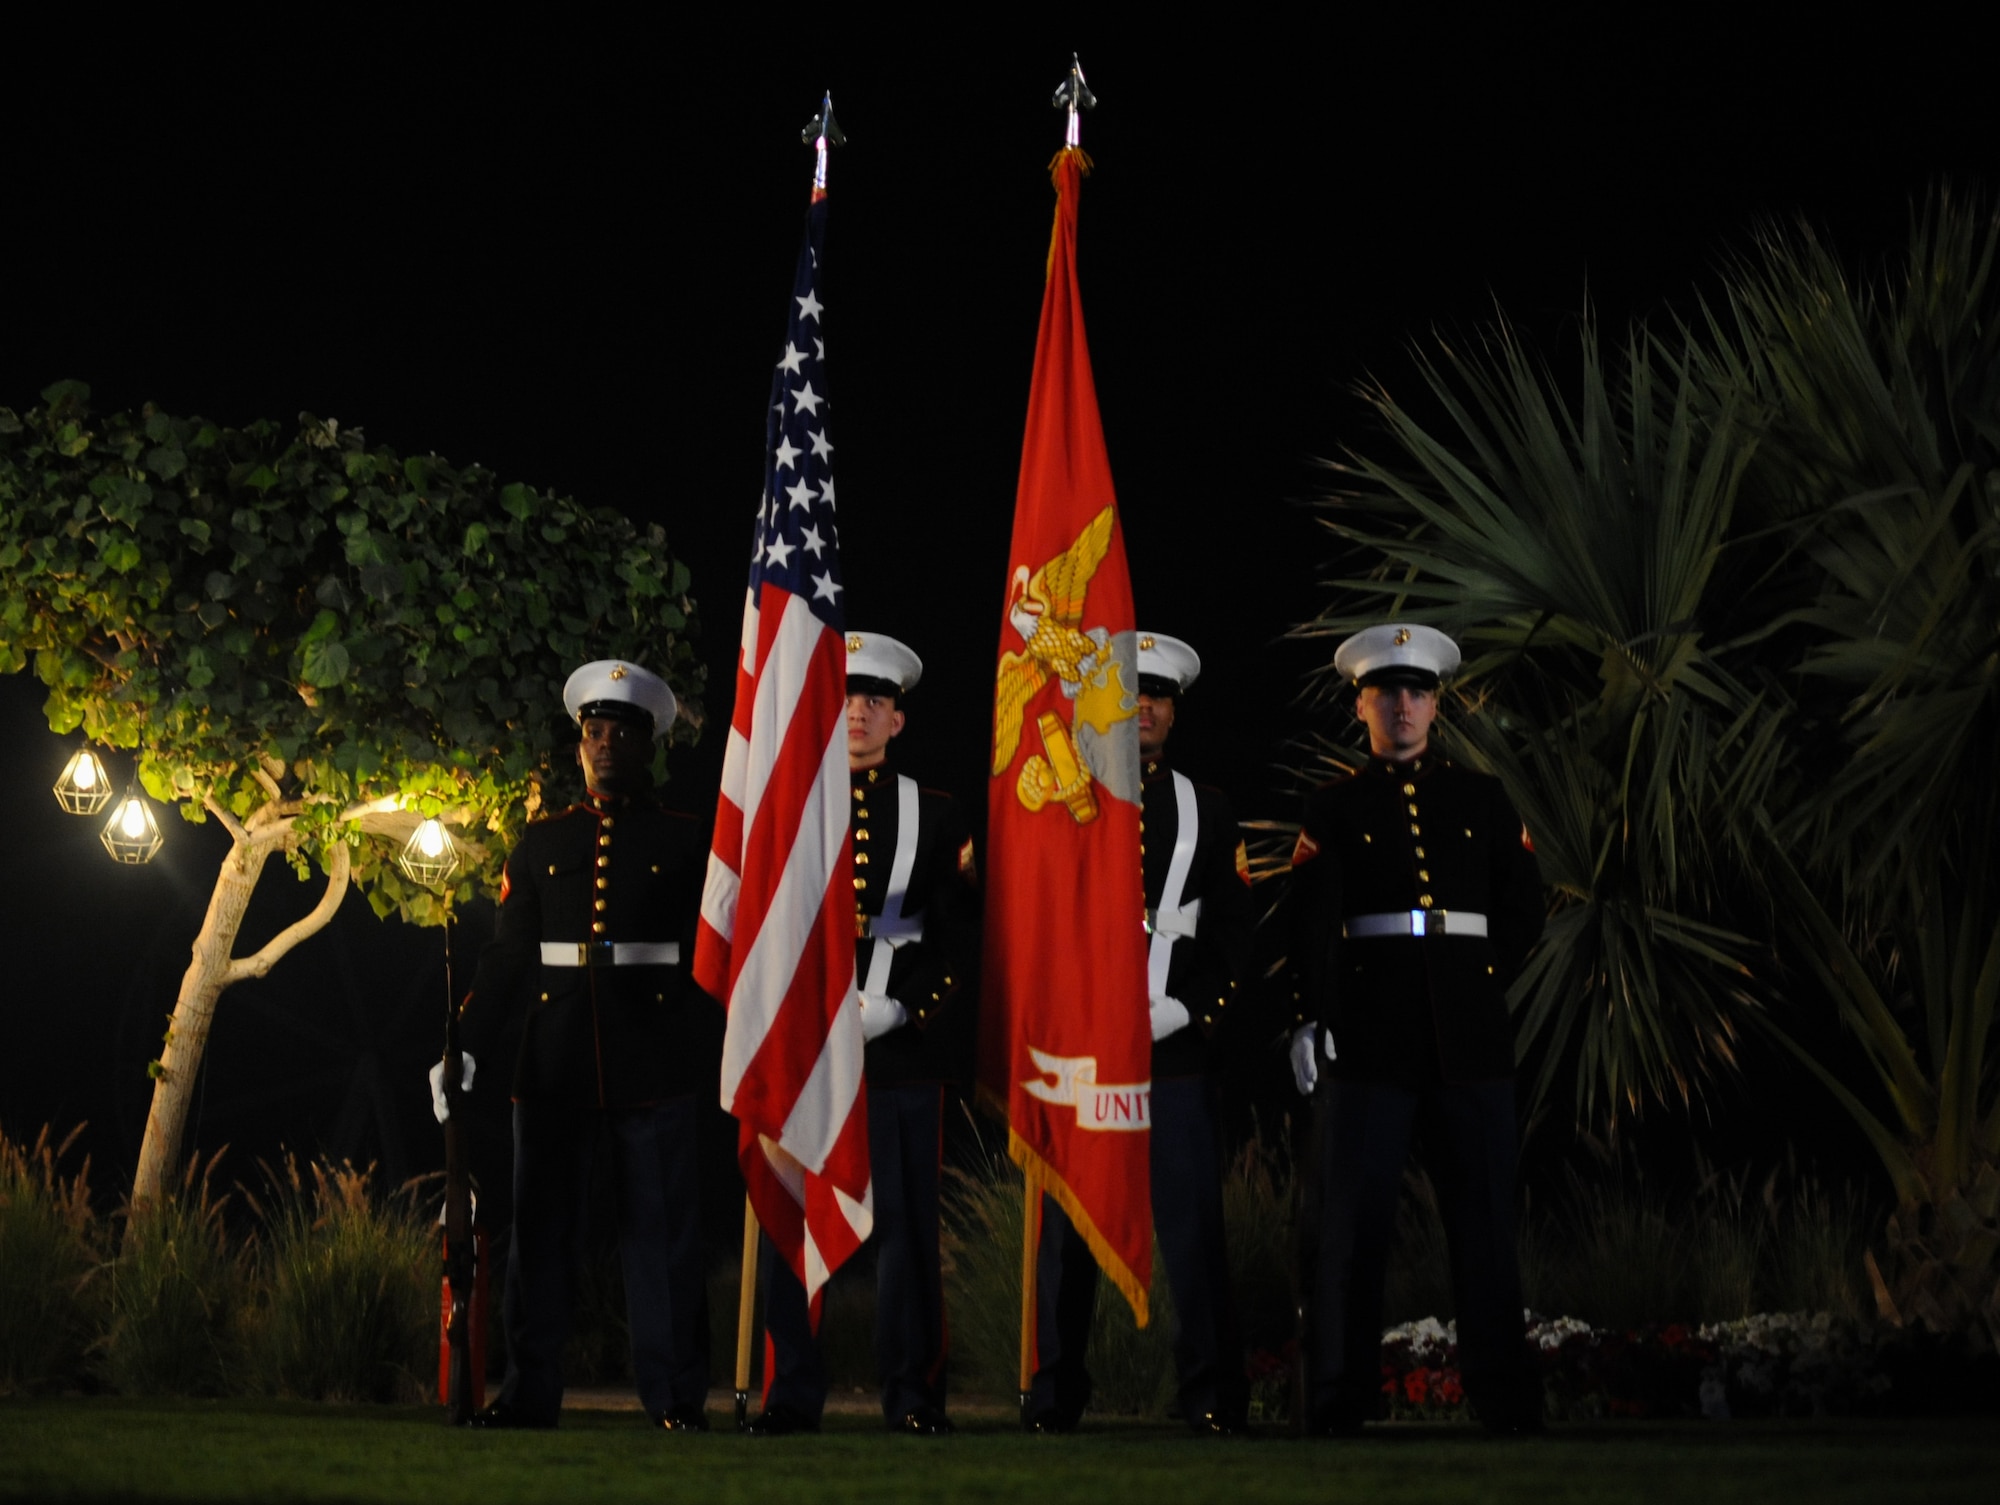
(1065, 1048)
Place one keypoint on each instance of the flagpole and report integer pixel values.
(713, 951)
(1030, 1219)
(1072, 96)
(746, 1309)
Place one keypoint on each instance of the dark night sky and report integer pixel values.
(561, 249)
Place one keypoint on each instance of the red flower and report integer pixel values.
(1450, 1390)
(1416, 1385)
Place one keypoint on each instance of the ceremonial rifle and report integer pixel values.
(459, 1272)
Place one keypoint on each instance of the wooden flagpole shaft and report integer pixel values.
(1030, 1207)
(746, 1311)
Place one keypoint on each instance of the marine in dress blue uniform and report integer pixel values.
(1199, 924)
(916, 919)
(1417, 902)
(596, 923)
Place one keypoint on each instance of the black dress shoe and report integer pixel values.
(683, 1419)
(501, 1417)
(925, 1421)
(780, 1421)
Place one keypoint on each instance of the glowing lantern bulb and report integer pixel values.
(131, 836)
(84, 787)
(430, 856)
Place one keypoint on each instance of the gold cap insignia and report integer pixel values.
(1402, 636)
(1146, 642)
(617, 671)
(854, 642)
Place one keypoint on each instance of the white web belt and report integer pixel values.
(1173, 919)
(1416, 922)
(892, 928)
(611, 953)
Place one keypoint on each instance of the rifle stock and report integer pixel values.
(460, 1383)
(458, 1252)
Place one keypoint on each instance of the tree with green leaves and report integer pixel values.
(317, 643)
(1731, 599)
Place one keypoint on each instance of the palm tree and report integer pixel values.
(1731, 600)
(1576, 538)
(1880, 428)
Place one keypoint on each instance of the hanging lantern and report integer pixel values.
(85, 785)
(132, 835)
(429, 856)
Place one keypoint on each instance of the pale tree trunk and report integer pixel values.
(213, 969)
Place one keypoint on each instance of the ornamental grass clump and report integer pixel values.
(982, 1274)
(348, 1300)
(1131, 1368)
(49, 1252)
(176, 1295)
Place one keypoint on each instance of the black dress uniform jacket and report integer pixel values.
(1209, 967)
(925, 976)
(1424, 836)
(606, 869)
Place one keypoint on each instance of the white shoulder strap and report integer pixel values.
(1173, 919)
(891, 928)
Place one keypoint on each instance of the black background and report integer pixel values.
(558, 243)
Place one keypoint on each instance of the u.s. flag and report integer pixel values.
(776, 939)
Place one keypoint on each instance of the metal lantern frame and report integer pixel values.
(430, 856)
(123, 844)
(84, 787)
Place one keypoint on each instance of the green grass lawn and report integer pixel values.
(72, 1449)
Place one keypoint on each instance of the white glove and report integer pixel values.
(1305, 1060)
(879, 1015)
(438, 1105)
(1168, 1015)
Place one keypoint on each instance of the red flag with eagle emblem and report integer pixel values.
(1065, 1046)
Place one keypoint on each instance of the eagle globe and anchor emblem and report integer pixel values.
(1097, 743)
(1094, 747)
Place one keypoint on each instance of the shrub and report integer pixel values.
(1818, 1238)
(348, 1300)
(48, 1256)
(1131, 1368)
(175, 1295)
(982, 1273)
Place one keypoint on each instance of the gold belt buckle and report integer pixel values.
(595, 954)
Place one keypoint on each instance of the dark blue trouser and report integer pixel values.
(1470, 1146)
(1187, 1218)
(659, 1228)
(905, 1125)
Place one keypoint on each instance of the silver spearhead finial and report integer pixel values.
(1073, 94)
(822, 133)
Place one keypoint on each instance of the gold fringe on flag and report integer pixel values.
(1042, 1176)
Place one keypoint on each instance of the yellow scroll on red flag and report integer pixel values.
(1065, 1047)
